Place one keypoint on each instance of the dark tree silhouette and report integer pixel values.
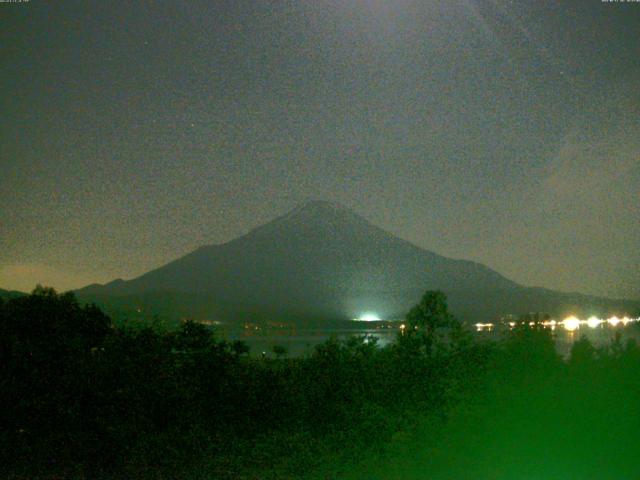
(193, 336)
(48, 319)
(583, 353)
(430, 313)
(238, 347)
(279, 351)
(82, 399)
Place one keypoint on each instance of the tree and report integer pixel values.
(430, 313)
(583, 353)
(50, 320)
(422, 322)
(279, 351)
(193, 336)
(238, 347)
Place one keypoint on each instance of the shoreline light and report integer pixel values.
(368, 317)
(571, 323)
(594, 322)
(483, 326)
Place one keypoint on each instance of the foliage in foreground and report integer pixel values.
(81, 398)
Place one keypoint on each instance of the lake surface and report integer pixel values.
(300, 342)
(599, 335)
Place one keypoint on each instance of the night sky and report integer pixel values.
(506, 132)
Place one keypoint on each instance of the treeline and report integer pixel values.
(82, 398)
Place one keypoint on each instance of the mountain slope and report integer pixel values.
(322, 260)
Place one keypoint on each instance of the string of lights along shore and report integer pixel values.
(570, 323)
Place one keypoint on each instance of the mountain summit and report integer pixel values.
(321, 260)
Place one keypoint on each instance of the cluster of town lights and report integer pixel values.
(570, 324)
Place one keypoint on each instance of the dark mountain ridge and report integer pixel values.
(322, 260)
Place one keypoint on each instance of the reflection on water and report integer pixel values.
(598, 331)
(299, 342)
(570, 323)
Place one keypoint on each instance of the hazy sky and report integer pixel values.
(506, 132)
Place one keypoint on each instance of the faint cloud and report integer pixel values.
(579, 225)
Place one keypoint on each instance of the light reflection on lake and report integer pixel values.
(600, 332)
(299, 342)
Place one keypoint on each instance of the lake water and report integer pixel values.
(599, 335)
(300, 342)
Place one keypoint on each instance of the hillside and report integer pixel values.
(323, 261)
